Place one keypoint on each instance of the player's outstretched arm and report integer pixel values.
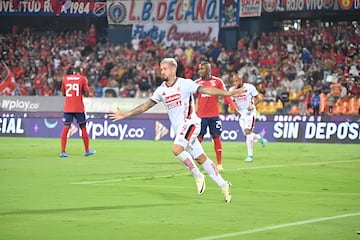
(237, 92)
(220, 92)
(119, 115)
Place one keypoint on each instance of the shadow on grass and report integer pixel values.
(64, 210)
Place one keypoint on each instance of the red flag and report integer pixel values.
(57, 5)
(15, 4)
(7, 81)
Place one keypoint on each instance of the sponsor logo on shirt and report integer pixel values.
(173, 101)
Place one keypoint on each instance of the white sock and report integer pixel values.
(188, 161)
(250, 144)
(213, 172)
(255, 136)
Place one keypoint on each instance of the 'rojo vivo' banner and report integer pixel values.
(129, 12)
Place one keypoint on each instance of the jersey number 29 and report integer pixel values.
(72, 88)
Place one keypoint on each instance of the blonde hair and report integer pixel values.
(171, 61)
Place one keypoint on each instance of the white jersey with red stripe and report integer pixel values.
(179, 101)
(243, 102)
(247, 118)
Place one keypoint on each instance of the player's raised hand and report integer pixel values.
(238, 114)
(117, 115)
(237, 92)
(250, 107)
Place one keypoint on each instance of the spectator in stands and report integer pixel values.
(327, 70)
(189, 51)
(144, 86)
(178, 50)
(340, 58)
(253, 77)
(354, 87)
(38, 82)
(298, 83)
(283, 96)
(331, 102)
(270, 93)
(331, 51)
(223, 59)
(335, 89)
(355, 69)
(91, 36)
(302, 103)
(104, 81)
(135, 42)
(188, 72)
(21, 89)
(344, 91)
(46, 90)
(110, 92)
(315, 103)
(306, 56)
(180, 71)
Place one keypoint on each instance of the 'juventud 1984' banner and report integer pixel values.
(52, 8)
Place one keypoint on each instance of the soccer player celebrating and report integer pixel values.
(208, 110)
(176, 94)
(74, 87)
(247, 111)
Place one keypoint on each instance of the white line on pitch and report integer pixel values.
(269, 228)
(130, 178)
(230, 170)
(301, 192)
(294, 165)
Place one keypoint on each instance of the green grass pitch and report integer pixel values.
(139, 190)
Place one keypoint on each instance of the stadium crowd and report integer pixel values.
(284, 65)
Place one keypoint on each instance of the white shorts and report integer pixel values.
(187, 137)
(247, 121)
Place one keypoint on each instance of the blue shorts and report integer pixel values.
(214, 125)
(69, 117)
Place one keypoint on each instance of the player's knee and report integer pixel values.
(215, 135)
(177, 149)
(201, 158)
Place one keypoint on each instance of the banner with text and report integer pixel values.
(128, 12)
(159, 129)
(53, 8)
(250, 8)
(309, 5)
(177, 33)
(56, 104)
